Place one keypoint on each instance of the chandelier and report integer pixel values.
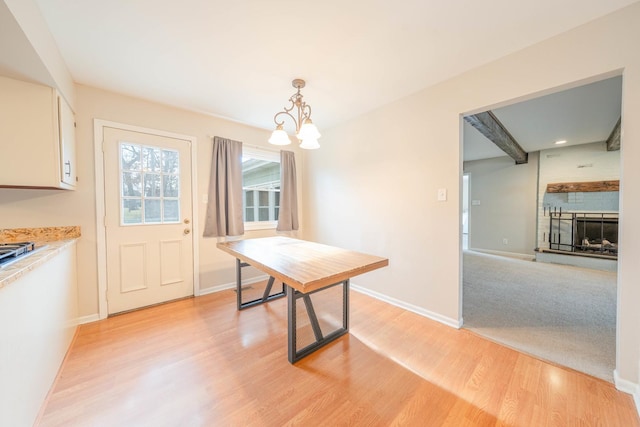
(306, 131)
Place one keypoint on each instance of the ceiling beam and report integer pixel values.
(489, 125)
(613, 142)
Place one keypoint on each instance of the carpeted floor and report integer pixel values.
(563, 314)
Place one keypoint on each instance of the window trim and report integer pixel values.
(262, 154)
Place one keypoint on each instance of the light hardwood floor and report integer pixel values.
(199, 362)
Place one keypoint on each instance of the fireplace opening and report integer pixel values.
(584, 233)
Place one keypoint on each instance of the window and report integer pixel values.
(260, 187)
(150, 185)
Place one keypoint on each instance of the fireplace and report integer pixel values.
(584, 233)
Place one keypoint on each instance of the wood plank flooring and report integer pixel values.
(199, 362)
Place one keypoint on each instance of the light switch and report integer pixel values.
(442, 194)
(475, 202)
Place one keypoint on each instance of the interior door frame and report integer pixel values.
(101, 233)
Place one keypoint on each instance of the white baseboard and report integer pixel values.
(628, 387)
(88, 319)
(409, 307)
(231, 285)
(526, 257)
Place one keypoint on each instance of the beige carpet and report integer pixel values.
(563, 314)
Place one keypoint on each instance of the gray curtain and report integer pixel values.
(288, 215)
(224, 210)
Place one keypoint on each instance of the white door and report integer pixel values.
(148, 219)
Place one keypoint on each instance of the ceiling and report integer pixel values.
(580, 115)
(236, 59)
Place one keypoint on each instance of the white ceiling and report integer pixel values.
(236, 59)
(580, 115)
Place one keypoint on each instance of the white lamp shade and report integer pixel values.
(308, 131)
(310, 144)
(279, 137)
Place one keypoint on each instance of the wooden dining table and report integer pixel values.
(304, 268)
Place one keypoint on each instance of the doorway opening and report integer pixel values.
(564, 314)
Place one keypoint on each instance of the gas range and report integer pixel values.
(10, 252)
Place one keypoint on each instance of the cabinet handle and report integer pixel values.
(67, 164)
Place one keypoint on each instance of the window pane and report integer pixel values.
(277, 213)
(152, 211)
(171, 211)
(130, 157)
(260, 178)
(131, 212)
(171, 185)
(277, 198)
(151, 159)
(151, 185)
(170, 161)
(131, 184)
(263, 214)
(263, 198)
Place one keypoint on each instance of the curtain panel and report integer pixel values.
(288, 215)
(224, 210)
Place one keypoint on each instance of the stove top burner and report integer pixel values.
(11, 251)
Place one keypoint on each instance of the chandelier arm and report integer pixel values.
(306, 109)
(293, 104)
(280, 123)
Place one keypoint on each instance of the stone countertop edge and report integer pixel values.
(19, 268)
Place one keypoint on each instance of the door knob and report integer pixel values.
(187, 231)
(186, 221)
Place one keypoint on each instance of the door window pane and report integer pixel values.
(150, 184)
(129, 157)
(170, 161)
(151, 159)
(132, 211)
(171, 186)
(171, 211)
(152, 211)
(131, 184)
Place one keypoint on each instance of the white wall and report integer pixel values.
(373, 184)
(507, 194)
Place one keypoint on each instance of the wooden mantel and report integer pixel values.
(583, 187)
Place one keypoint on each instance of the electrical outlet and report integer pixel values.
(505, 241)
(442, 194)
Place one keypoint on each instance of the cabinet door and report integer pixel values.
(67, 139)
(28, 126)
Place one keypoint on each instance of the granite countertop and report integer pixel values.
(43, 251)
(49, 242)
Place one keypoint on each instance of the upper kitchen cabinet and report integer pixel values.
(37, 137)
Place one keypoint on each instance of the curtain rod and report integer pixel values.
(244, 144)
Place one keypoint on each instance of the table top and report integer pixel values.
(305, 266)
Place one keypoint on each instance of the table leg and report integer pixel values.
(320, 339)
(265, 296)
